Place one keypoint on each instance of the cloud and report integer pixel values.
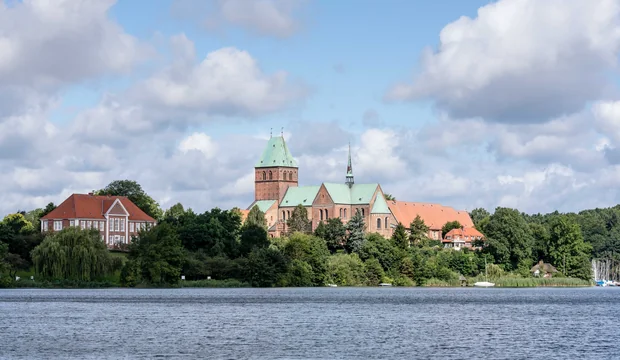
(520, 61)
(273, 18)
(199, 142)
(371, 119)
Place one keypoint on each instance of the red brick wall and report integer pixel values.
(275, 188)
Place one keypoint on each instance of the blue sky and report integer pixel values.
(516, 105)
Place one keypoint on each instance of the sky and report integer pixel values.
(466, 103)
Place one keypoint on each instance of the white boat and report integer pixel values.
(385, 284)
(484, 283)
(332, 285)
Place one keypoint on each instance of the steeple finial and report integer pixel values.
(349, 180)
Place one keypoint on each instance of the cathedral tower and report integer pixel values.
(349, 179)
(275, 172)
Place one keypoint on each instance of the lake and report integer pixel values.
(311, 323)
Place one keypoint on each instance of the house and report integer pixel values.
(277, 193)
(462, 237)
(547, 270)
(115, 217)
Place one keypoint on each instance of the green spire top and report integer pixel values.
(276, 154)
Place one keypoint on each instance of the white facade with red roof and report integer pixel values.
(463, 237)
(115, 217)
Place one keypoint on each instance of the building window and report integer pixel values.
(345, 214)
(326, 214)
(264, 176)
(71, 222)
(102, 239)
(122, 221)
(122, 239)
(89, 224)
(386, 223)
(270, 175)
(283, 215)
(362, 212)
(378, 223)
(288, 213)
(101, 225)
(132, 227)
(83, 224)
(57, 225)
(116, 224)
(290, 176)
(321, 212)
(96, 225)
(44, 225)
(111, 224)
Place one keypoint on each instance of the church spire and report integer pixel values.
(349, 181)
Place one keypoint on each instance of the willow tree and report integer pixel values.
(73, 254)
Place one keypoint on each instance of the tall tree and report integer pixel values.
(418, 231)
(256, 217)
(509, 239)
(567, 251)
(356, 229)
(74, 254)
(175, 212)
(299, 222)
(389, 197)
(400, 238)
(134, 192)
(155, 256)
(253, 236)
(312, 250)
(480, 217)
(333, 232)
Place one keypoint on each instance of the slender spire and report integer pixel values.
(349, 181)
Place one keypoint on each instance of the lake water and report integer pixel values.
(311, 323)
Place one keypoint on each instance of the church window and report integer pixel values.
(386, 223)
(288, 213)
(283, 215)
(362, 212)
(290, 176)
(345, 213)
(264, 176)
(270, 175)
(321, 212)
(340, 212)
(326, 214)
(379, 223)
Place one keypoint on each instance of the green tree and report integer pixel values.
(174, 213)
(265, 267)
(346, 270)
(333, 232)
(389, 197)
(373, 271)
(377, 247)
(18, 224)
(418, 231)
(134, 192)
(480, 217)
(299, 222)
(509, 239)
(74, 254)
(252, 236)
(312, 250)
(256, 217)
(299, 274)
(155, 256)
(400, 238)
(449, 226)
(567, 250)
(356, 229)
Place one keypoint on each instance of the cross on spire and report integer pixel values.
(349, 179)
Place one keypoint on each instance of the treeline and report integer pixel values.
(216, 247)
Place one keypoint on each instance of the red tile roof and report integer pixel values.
(85, 206)
(463, 233)
(435, 216)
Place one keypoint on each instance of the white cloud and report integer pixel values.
(200, 142)
(266, 17)
(521, 60)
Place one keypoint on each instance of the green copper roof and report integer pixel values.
(380, 206)
(303, 195)
(263, 205)
(358, 194)
(276, 154)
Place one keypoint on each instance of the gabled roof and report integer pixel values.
(296, 195)
(463, 233)
(263, 205)
(276, 153)
(85, 206)
(358, 194)
(380, 206)
(435, 216)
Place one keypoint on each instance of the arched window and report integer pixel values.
(326, 214)
(283, 215)
(264, 175)
(379, 223)
(288, 213)
(321, 212)
(290, 176)
(341, 213)
(386, 223)
(270, 176)
(345, 213)
(362, 212)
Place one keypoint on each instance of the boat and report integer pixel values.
(485, 283)
(385, 284)
(332, 285)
